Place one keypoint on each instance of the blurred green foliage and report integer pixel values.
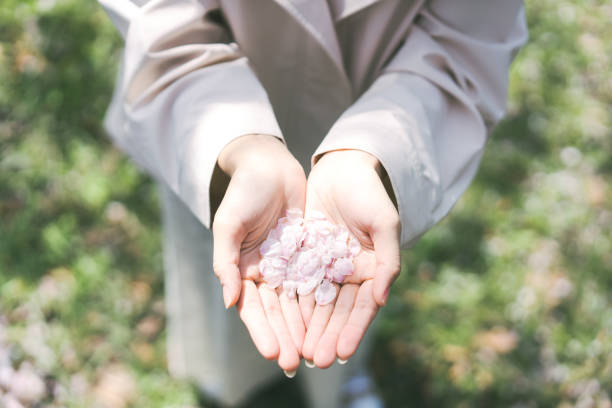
(506, 303)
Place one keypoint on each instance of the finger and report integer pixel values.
(293, 319)
(325, 353)
(318, 322)
(363, 312)
(307, 306)
(288, 358)
(251, 312)
(227, 238)
(388, 262)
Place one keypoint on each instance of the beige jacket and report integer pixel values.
(418, 84)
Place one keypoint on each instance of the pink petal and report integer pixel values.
(342, 234)
(265, 265)
(338, 249)
(344, 266)
(354, 247)
(306, 287)
(294, 214)
(271, 248)
(274, 281)
(316, 215)
(325, 293)
(289, 288)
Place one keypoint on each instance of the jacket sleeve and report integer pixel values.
(183, 91)
(429, 113)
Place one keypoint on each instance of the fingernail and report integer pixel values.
(226, 297)
(341, 361)
(290, 374)
(386, 295)
(309, 363)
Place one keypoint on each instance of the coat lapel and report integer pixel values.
(341, 9)
(316, 18)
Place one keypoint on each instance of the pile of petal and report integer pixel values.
(309, 254)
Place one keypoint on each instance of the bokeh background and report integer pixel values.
(506, 303)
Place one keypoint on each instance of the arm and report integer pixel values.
(425, 119)
(427, 116)
(184, 91)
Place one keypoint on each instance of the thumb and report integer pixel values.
(388, 259)
(227, 238)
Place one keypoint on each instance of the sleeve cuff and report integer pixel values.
(390, 122)
(217, 124)
(178, 136)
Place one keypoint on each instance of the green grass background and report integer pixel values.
(506, 303)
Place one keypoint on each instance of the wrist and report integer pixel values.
(348, 158)
(354, 156)
(248, 148)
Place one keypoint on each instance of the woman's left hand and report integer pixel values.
(346, 186)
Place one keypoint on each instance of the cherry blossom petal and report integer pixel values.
(354, 246)
(325, 293)
(344, 266)
(289, 287)
(270, 248)
(302, 255)
(306, 287)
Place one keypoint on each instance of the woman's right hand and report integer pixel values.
(265, 180)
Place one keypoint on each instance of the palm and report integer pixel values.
(259, 203)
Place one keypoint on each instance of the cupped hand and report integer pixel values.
(346, 186)
(265, 180)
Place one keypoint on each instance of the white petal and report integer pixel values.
(344, 266)
(325, 293)
(354, 247)
(338, 249)
(316, 215)
(270, 247)
(274, 281)
(305, 287)
(294, 214)
(289, 287)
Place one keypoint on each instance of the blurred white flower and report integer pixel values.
(34, 343)
(6, 375)
(78, 385)
(567, 13)
(27, 385)
(544, 256)
(116, 387)
(116, 212)
(526, 297)
(9, 401)
(570, 156)
(46, 5)
(558, 373)
(560, 288)
(568, 184)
